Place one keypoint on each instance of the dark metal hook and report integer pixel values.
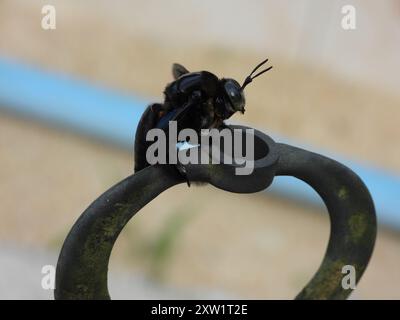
(83, 262)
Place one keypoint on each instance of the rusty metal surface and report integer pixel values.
(83, 262)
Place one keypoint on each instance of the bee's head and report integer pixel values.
(233, 96)
(233, 99)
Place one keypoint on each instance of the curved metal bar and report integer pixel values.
(352, 217)
(83, 263)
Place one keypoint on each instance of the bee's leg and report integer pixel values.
(221, 125)
(148, 121)
(179, 166)
(182, 171)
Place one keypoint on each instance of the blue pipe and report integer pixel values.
(113, 116)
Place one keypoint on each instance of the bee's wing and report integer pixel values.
(173, 115)
(178, 70)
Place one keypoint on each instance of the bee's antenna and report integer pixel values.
(250, 77)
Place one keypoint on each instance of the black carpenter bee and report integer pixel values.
(196, 100)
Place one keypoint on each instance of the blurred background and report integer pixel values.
(331, 89)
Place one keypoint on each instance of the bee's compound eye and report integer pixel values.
(235, 94)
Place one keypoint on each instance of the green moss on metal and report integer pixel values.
(358, 225)
(343, 193)
(91, 281)
(328, 282)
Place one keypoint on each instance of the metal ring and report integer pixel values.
(83, 262)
